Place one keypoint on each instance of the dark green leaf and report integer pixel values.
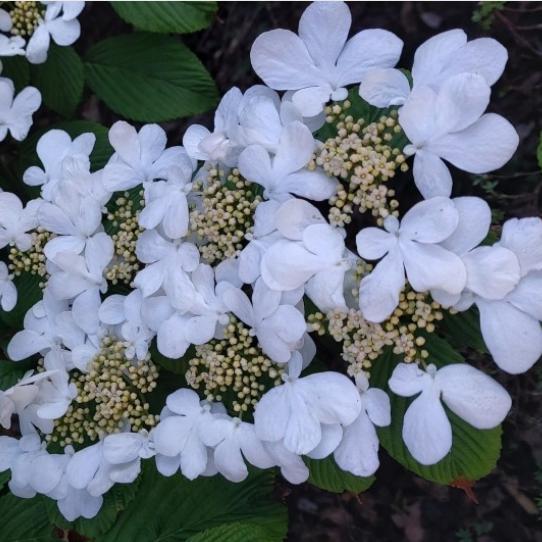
(463, 330)
(474, 452)
(179, 17)
(146, 77)
(11, 372)
(325, 474)
(175, 508)
(236, 532)
(17, 69)
(60, 80)
(24, 520)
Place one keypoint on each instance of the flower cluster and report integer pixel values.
(228, 262)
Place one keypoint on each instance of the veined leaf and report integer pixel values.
(325, 474)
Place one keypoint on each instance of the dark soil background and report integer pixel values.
(400, 506)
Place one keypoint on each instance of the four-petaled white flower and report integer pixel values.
(319, 62)
(16, 221)
(411, 246)
(469, 393)
(16, 111)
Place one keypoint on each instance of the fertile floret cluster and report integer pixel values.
(32, 260)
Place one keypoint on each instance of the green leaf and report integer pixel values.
(24, 520)
(236, 532)
(29, 293)
(175, 508)
(474, 452)
(463, 330)
(179, 17)
(98, 158)
(16, 68)
(60, 80)
(11, 372)
(149, 78)
(325, 474)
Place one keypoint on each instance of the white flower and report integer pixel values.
(436, 60)
(16, 221)
(221, 144)
(140, 157)
(238, 442)
(291, 465)
(358, 451)
(48, 327)
(410, 246)
(295, 411)
(16, 111)
(311, 254)
(8, 291)
(168, 263)
(53, 149)
(320, 62)
(73, 218)
(165, 201)
(126, 312)
(76, 503)
(63, 27)
(286, 172)
(467, 392)
(279, 326)
(181, 438)
(450, 125)
(11, 46)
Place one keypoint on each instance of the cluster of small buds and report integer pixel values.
(233, 369)
(363, 342)
(125, 232)
(110, 397)
(33, 260)
(362, 157)
(225, 215)
(25, 17)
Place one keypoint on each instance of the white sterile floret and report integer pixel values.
(8, 290)
(450, 124)
(238, 443)
(277, 324)
(49, 328)
(296, 411)
(59, 23)
(166, 203)
(126, 312)
(182, 437)
(54, 149)
(411, 246)
(436, 60)
(11, 46)
(319, 62)
(286, 173)
(311, 253)
(168, 263)
(140, 157)
(467, 392)
(358, 451)
(16, 221)
(16, 111)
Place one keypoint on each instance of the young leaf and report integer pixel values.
(60, 80)
(325, 474)
(149, 78)
(474, 452)
(178, 17)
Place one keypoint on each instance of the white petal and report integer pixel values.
(513, 338)
(473, 227)
(271, 414)
(417, 116)
(123, 138)
(331, 437)
(374, 243)
(375, 48)
(194, 458)
(171, 341)
(523, 236)
(527, 296)
(295, 149)
(281, 59)
(112, 310)
(384, 87)
(255, 165)
(83, 466)
(122, 447)
(492, 272)
(408, 379)
(430, 221)
(153, 141)
(433, 267)
(427, 432)
(379, 291)
(484, 146)
(473, 396)
(431, 175)
(291, 465)
(293, 216)
(311, 101)
(229, 461)
(170, 435)
(26, 343)
(378, 406)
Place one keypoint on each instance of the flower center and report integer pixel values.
(25, 17)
